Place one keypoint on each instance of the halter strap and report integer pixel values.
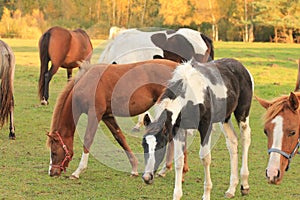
(67, 154)
(286, 155)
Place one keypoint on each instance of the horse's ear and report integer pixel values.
(49, 135)
(52, 136)
(293, 101)
(146, 120)
(264, 103)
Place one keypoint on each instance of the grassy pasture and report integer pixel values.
(24, 162)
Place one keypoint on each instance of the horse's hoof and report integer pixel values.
(228, 195)
(134, 174)
(12, 136)
(244, 191)
(134, 130)
(161, 175)
(44, 102)
(73, 177)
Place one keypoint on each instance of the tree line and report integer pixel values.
(226, 20)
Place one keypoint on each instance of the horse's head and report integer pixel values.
(281, 126)
(61, 153)
(154, 144)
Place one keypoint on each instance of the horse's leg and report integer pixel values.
(169, 158)
(88, 140)
(232, 145)
(206, 161)
(69, 73)
(179, 145)
(205, 157)
(48, 77)
(245, 140)
(119, 136)
(11, 121)
(82, 165)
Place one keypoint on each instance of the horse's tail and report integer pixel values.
(210, 46)
(7, 86)
(44, 59)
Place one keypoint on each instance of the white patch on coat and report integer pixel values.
(194, 84)
(151, 141)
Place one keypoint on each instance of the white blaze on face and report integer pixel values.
(151, 141)
(274, 161)
(50, 164)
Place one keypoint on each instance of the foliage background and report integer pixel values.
(226, 20)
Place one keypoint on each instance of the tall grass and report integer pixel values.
(24, 162)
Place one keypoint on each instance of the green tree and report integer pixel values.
(283, 15)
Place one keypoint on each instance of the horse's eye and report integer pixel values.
(266, 132)
(292, 133)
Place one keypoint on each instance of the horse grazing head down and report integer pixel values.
(61, 153)
(154, 144)
(281, 126)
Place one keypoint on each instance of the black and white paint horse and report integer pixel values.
(135, 45)
(198, 96)
(7, 71)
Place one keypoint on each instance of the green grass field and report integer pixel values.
(24, 162)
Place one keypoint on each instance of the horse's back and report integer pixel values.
(108, 82)
(67, 47)
(135, 45)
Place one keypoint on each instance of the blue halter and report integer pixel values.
(286, 155)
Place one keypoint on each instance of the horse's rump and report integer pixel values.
(7, 68)
(63, 48)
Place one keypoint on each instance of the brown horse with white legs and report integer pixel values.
(282, 127)
(103, 92)
(63, 48)
(7, 71)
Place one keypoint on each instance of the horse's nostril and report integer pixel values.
(267, 173)
(278, 174)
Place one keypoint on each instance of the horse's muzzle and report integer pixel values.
(273, 176)
(148, 178)
(55, 172)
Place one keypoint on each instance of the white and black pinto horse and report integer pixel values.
(198, 96)
(7, 71)
(135, 45)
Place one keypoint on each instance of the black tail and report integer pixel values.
(210, 46)
(44, 59)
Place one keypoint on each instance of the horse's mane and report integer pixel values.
(60, 103)
(62, 98)
(277, 105)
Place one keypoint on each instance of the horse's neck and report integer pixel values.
(65, 121)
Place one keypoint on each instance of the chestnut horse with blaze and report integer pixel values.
(63, 48)
(282, 128)
(103, 92)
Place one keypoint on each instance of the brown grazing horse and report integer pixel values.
(7, 71)
(63, 48)
(103, 92)
(282, 127)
